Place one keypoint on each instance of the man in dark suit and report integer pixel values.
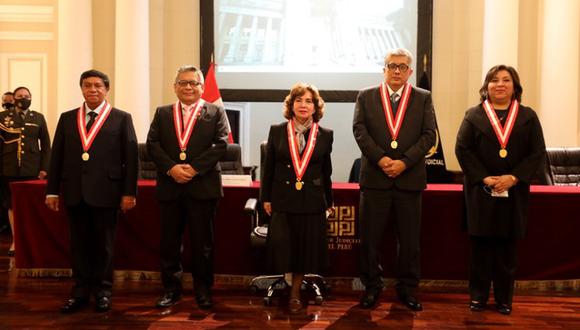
(24, 147)
(394, 127)
(186, 140)
(94, 159)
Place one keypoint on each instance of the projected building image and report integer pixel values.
(311, 36)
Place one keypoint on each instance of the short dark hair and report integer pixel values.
(8, 93)
(94, 73)
(300, 89)
(19, 88)
(518, 90)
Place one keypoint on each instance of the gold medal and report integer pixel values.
(85, 156)
(502, 153)
(298, 185)
(394, 144)
(182, 155)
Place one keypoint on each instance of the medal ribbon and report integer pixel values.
(395, 124)
(301, 163)
(87, 139)
(184, 135)
(502, 133)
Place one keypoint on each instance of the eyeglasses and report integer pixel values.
(185, 83)
(393, 67)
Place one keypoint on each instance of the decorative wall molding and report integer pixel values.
(26, 69)
(26, 35)
(26, 13)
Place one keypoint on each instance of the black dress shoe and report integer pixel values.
(103, 304)
(369, 300)
(204, 301)
(412, 303)
(477, 306)
(168, 299)
(73, 305)
(504, 309)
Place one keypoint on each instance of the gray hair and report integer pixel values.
(399, 52)
(187, 68)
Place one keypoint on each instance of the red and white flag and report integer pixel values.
(211, 94)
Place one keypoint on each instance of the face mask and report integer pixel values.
(8, 106)
(23, 103)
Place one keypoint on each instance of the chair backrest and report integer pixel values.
(564, 165)
(147, 168)
(355, 171)
(263, 146)
(231, 162)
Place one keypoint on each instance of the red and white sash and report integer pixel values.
(184, 133)
(88, 138)
(301, 163)
(395, 123)
(502, 133)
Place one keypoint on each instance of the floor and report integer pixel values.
(33, 303)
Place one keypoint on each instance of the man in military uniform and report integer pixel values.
(24, 146)
(8, 101)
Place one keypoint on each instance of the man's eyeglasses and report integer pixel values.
(393, 67)
(185, 83)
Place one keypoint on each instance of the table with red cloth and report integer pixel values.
(549, 252)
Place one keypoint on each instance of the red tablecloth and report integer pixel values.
(550, 251)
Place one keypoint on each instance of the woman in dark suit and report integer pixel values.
(499, 147)
(296, 189)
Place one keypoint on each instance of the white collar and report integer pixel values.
(399, 91)
(97, 109)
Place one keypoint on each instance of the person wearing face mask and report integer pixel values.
(25, 147)
(8, 101)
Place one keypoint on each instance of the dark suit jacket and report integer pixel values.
(206, 147)
(416, 137)
(32, 136)
(477, 152)
(111, 171)
(279, 178)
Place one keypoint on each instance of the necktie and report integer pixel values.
(394, 103)
(22, 116)
(92, 116)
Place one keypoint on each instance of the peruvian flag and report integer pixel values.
(211, 94)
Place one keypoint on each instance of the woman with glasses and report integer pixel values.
(24, 148)
(499, 147)
(296, 189)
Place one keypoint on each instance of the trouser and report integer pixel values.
(377, 208)
(493, 260)
(92, 242)
(197, 215)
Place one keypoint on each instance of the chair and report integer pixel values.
(354, 175)
(231, 162)
(564, 166)
(147, 168)
(259, 232)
